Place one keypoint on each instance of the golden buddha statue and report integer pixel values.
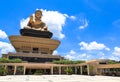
(37, 24)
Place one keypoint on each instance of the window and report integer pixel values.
(35, 50)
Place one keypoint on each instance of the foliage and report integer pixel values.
(92, 69)
(3, 71)
(69, 70)
(67, 62)
(112, 62)
(6, 60)
(19, 70)
(38, 72)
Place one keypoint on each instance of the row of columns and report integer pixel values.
(52, 69)
(15, 69)
(60, 69)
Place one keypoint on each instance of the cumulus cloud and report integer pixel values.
(3, 35)
(93, 46)
(54, 20)
(24, 22)
(5, 48)
(55, 52)
(84, 56)
(71, 55)
(72, 52)
(116, 51)
(114, 58)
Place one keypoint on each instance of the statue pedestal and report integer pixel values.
(35, 33)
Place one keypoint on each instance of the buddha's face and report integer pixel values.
(38, 15)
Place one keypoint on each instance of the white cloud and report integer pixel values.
(3, 35)
(116, 51)
(72, 17)
(93, 46)
(53, 19)
(55, 52)
(84, 56)
(114, 58)
(71, 55)
(72, 52)
(5, 48)
(84, 24)
(24, 22)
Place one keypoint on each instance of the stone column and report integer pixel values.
(24, 70)
(15, 67)
(75, 70)
(59, 70)
(81, 70)
(52, 70)
(67, 69)
(88, 70)
(44, 71)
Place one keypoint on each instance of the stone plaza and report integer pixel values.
(58, 78)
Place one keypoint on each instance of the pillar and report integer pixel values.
(88, 70)
(67, 69)
(44, 71)
(81, 70)
(15, 69)
(24, 70)
(52, 70)
(75, 70)
(59, 70)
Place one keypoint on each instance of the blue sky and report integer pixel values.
(87, 29)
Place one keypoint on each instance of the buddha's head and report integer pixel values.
(38, 14)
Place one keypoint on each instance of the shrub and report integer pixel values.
(69, 70)
(38, 72)
(6, 60)
(67, 62)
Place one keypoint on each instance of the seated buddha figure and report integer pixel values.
(37, 24)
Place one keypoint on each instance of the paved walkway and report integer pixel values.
(58, 78)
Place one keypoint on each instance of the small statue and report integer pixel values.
(37, 24)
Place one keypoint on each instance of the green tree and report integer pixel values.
(3, 71)
(112, 62)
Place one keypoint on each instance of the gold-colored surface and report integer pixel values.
(37, 24)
